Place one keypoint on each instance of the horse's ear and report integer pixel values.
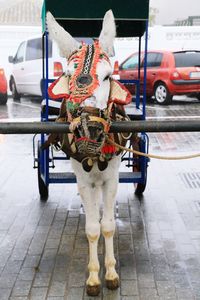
(66, 43)
(108, 33)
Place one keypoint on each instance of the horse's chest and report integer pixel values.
(96, 177)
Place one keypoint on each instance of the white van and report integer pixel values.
(26, 77)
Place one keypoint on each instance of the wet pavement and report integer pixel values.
(43, 248)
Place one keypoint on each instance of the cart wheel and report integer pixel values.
(140, 187)
(43, 188)
(138, 166)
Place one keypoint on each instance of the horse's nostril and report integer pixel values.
(84, 80)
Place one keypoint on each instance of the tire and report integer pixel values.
(3, 99)
(149, 99)
(140, 187)
(198, 96)
(137, 167)
(162, 95)
(16, 96)
(43, 188)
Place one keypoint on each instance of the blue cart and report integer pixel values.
(132, 21)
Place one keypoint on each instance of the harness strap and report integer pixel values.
(77, 121)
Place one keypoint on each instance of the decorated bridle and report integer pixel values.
(85, 80)
(77, 88)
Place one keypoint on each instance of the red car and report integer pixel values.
(3, 87)
(168, 74)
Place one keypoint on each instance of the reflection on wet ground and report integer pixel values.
(28, 107)
(25, 108)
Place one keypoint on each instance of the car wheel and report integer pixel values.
(15, 94)
(3, 99)
(162, 95)
(198, 96)
(149, 99)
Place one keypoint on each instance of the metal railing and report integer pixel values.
(130, 126)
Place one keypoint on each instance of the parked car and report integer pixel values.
(26, 77)
(168, 74)
(3, 87)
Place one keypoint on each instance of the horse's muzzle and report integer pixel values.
(89, 135)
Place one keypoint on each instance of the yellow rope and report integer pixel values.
(152, 155)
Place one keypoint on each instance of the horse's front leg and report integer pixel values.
(91, 198)
(108, 230)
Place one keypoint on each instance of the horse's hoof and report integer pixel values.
(112, 284)
(93, 290)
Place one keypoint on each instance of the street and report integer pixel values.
(43, 247)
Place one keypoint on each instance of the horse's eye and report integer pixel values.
(106, 78)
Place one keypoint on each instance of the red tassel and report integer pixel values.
(108, 149)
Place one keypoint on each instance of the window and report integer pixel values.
(187, 59)
(34, 49)
(19, 57)
(131, 63)
(154, 59)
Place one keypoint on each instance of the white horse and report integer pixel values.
(86, 89)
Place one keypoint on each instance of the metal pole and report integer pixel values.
(132, 126)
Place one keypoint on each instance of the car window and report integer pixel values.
(154, 59)
(34, 49)
(19, 57)
(131, 63)
(187, 59)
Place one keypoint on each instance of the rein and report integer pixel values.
(152, 155)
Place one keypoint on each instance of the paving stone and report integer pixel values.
(129, 287)
(111, 295)
(18, 254)
(38, 293)
(60, 274)
(130, 298)
(127, 266)
(70, 230)
(7, 280)
(5, 293)
(12, 267)
(56, 298)
(46, 265)
(162, 274)
(143, 267)
(166, 289)
(75, 293)
(21, 288)
(125, 243)
(148, 294)
(18, 298)
(31, 261)
(77, 279)
(57, 289)
(42, 279)
(52, 243)
(146, 281)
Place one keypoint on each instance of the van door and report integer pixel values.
(33, 67)
(18, 67)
